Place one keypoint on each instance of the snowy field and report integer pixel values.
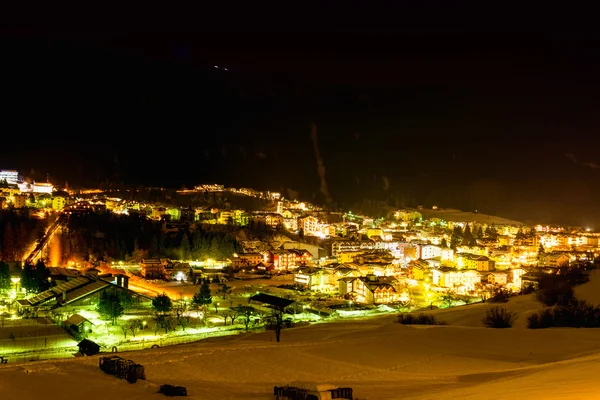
(379, 359)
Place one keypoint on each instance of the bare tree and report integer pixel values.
(124, 329)
(135, 326)
(245, 314)
(225, 315)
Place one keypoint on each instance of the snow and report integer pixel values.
(378, 358)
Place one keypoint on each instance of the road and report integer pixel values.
(34, 256)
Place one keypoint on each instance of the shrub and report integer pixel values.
(500, 296)
(540, 320)
(499, 317)
(418, 319)
(555, 293)
(577, 314)
(527, 289)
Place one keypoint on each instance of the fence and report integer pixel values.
(36, 339)
(132, 345)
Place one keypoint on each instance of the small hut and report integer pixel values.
(88, 348)
(78, 324)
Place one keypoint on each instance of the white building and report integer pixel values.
(9, 176)
(429, 251)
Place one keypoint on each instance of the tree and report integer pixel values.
(275, 319)
(162, 303)
(467, 235)
(126, 299)
(184, 247)
(42, 276)
(203, 297)
(245, 313)
(27, 282)
(520, 234)
(135, 326)
(109, 306)
(4, 276)
(8, 242)
(479, 232)
(224, 290)
(124, 329)
(444, 244)
(35, 279)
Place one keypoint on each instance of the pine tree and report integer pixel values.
(203, 297)
(480, 232)
(184, 247)
(27, 281)
(162, 303)
(109, 306)
(8, 242)
(467, 235)
(215, 248)
(41, 276)
(4, 276)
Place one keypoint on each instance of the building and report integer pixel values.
(554, 260)
(284, 260)
(78, 324)
(460, 280)
(81, 291)
(310, 226)
(274, 220)
(428, 251)
(58, 202)
(174, 213)
(346, 246)
(245, 260)
(316, 251)
(316, 279)
(10, 176)
(19, 200)
(475, 262)
(348, 257)
(495, 277)
(370, 289)
(154, 268)
(418, 269)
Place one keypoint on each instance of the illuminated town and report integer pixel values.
(204, 270)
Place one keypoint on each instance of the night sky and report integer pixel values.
(490, 117)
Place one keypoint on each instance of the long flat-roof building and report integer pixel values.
(9, 175)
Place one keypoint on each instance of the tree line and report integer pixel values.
(17, 232)
(108, 236)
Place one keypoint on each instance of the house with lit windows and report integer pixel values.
(370, 289)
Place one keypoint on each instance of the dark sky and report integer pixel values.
(496, 116)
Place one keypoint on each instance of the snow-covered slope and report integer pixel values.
(378, 358)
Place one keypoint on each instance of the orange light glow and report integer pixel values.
(55, 257)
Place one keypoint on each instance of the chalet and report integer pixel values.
(78, 323)
(554, 259)
(370, 289)
(154, 268)
(475, 262)
(495, 277)
(61, 274)
(316, 279)
(284, 260)
(245, 260)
